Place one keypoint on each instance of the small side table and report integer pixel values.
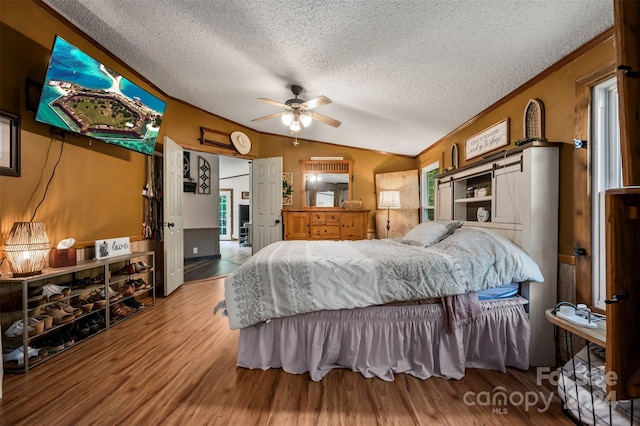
(580, 356)
(593, 335)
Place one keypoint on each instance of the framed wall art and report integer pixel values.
(533, 120)
(487, 140)
(9, 144)
(204, 176)
(244, 195)
(287, 188)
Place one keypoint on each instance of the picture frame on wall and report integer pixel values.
(9, 144)
(487, 140)
(244, 195)
(287, 188)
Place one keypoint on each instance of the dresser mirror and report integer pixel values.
(327, 183)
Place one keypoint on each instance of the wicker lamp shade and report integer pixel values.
(27, 248)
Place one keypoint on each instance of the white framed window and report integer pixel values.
(606, 173)
(428, 196)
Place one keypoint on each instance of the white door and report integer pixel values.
(172, 204)
(266, 199)
(226, 221)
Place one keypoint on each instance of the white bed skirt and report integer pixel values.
(381, 341)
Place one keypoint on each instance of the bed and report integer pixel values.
(383, 307)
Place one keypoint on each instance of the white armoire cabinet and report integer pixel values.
(514, 192)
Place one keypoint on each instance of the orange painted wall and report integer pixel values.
(96, 191)
(558, 94)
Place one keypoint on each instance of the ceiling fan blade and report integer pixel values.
(266, 117)
(274, 103)
(326, 120)
(315, 102)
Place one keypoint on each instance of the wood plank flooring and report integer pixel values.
(175, 364)
(201, 268)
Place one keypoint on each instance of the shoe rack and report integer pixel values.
(94, 296)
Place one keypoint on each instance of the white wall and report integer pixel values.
(202, 210)
(234, 175)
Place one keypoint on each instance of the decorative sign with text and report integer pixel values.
(112, 247)
(487, 140)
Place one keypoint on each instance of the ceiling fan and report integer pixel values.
(297, 112)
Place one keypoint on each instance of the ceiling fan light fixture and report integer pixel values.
(295, 126)
(287, 119)
(306, 119)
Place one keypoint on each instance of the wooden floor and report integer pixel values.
(201, 268)
(174, 364)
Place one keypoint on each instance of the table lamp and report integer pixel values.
(390, 200)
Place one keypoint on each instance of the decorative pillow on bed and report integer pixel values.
(428, 233)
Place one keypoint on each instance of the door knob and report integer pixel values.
(616, 298)
(170, 225)
(277, 221)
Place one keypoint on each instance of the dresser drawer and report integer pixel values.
(318, 218)
(328, 232)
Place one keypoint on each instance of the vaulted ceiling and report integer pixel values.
(401, 73)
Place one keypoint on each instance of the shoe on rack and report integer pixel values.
(60, 316)
(132, 303)
(141, 266)
(128, 288)
(53, 292)
(128, 269)
(16, 329)
(36, 326)
(76, 312)
(67, 338)
(55, 343)
(112, 295)
(17, 355)
(46, 320)
(34, 291)
(35, 301)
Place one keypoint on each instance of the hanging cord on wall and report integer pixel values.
(53, 172)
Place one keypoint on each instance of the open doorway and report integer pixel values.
(217, 239)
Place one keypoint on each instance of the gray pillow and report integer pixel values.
(428, 233)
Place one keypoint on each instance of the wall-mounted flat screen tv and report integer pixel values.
(83, 96)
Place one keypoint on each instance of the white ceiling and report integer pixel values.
(401, 73)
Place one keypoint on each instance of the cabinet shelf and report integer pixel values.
(83, 279)
(474, 199)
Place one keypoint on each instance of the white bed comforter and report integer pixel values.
(293, 277)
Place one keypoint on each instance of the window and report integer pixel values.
(606, 173)
(224, 218)
(428, 203)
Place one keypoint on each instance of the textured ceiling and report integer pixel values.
(401, 74)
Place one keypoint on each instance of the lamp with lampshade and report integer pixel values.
(27, 248)
(390, 200)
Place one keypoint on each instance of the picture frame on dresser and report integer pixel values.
(9, 144)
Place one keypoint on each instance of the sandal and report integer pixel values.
(60, 316)
(53, 292)
(16, 329)
(69, 309)
(46, 320)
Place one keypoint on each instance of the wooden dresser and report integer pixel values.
(325, 224)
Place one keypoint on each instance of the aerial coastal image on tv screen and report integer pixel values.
(84, 96)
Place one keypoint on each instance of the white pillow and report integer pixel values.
(428, 233)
